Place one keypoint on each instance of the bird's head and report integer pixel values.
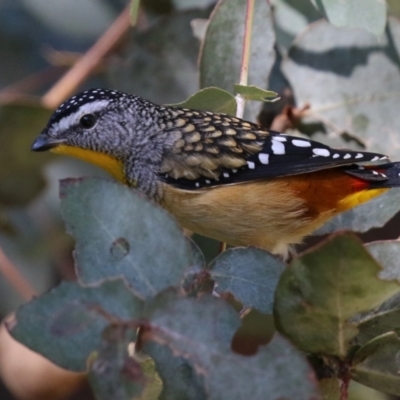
(105, 127)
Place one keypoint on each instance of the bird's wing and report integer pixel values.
(211, 149)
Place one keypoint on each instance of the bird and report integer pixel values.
(219, 175)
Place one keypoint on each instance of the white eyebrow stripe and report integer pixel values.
(88, 108)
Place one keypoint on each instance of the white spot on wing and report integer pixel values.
(376, 158)
(359, 155)
(277, 147)
(251, 165)
(226, 175)
(280, 138)
(322, 152)
(347, 156)
(264, 158)
(301, 143)
(336, 155)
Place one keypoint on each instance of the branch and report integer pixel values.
(14, 277)
(244, 69)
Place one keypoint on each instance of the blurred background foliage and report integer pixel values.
(40, 40)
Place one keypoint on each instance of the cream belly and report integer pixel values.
(263, 214)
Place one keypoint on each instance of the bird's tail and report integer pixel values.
(369, 182)
(377, 176)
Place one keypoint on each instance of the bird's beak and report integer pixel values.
(44, 143)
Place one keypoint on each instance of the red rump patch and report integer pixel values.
(360, 184)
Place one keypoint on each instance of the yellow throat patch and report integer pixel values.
(105, 161)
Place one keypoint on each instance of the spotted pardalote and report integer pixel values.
(220, 176)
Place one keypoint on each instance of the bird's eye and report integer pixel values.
(87, 121)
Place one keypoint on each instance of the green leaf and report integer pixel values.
(255, 93)
(362, 392)
(250, 275)
(366, 14)
(113, 374)
(221, 54)
(65, 324)
(207, 348)
(135, 4)
(180, 380)
(377, 364)
(351, 81)
(160, 63)
(154, 386)
(19, 126)
(385, 318)
(323, 290)
(378, 323)
(394, 8)
(219, 321)
(211, 99)
(119, 232)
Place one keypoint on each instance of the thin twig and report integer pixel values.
(244, 68)
(88, 62)
(14, 277)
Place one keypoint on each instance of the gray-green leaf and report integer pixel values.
(119, 232)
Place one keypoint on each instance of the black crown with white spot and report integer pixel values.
(75, 102)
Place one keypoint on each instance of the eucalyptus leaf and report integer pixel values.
(366, 14)
(255, 93)
(322, 290)
(291, 17)
(211, 99)
(250, 275)
(134, 11)
(154, 385)
(113, 374)
(385, 318)
(115, 230)
(377, 364)
(221, 53)
(351, 79)
(394, 8)
(65, 324)
(378, 323)
(180, 380)
(207, 348)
